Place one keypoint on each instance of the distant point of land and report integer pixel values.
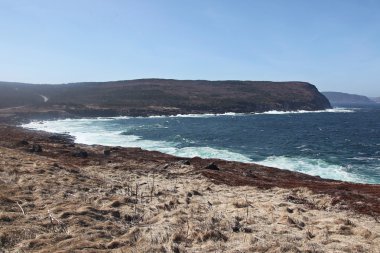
(144, 97)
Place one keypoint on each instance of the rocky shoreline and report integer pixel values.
(68, 197)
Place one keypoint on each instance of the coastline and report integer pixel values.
(22, 115)
(71, 196)
(72, 183)
(231, 173)
(87, 131)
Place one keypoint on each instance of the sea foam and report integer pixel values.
(333, 110)
(234, 114)
(314, 167)
(93, 131)
(86, 132)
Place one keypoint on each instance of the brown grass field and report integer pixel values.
(129, 200)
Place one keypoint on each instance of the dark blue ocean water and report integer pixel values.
(340, 144)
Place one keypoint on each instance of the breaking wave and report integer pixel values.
(207, 115)
(128, 132)
(314, 167)
(86, 133)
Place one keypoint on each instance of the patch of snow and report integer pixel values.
(44, 98)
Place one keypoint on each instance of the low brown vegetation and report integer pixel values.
(132, 200)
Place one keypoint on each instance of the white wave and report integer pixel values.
(365, 158)
(206, 115)
(208, 152)
(86, 131)
(314, 167)
(342, 110)
(199, 115)
(333, 110)
(112, 118)
(273, 112)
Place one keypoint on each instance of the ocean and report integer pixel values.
(339, 143)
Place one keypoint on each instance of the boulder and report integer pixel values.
(212, 166)
(36, 148)
(24, 142)
(183, 162)
(81, 154)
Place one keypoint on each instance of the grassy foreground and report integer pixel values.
(57, 196)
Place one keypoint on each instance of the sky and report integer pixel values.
(333, 44)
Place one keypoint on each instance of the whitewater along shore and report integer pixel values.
(59, 196)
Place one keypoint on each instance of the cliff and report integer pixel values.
(347, 99)
(164, 96)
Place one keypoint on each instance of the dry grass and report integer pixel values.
(47, 205)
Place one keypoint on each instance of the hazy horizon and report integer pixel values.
(333, 45)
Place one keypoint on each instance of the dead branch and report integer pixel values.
(22, 210)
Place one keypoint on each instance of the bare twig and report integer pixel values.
(137, 190)
(20, 208)
(152, 189)
(188, 228)
(246, 203)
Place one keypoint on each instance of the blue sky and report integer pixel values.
(333, 44)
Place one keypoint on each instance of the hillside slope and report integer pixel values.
(345, 98)
(130, 200)
(166, 96)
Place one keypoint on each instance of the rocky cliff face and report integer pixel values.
(165, 96)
